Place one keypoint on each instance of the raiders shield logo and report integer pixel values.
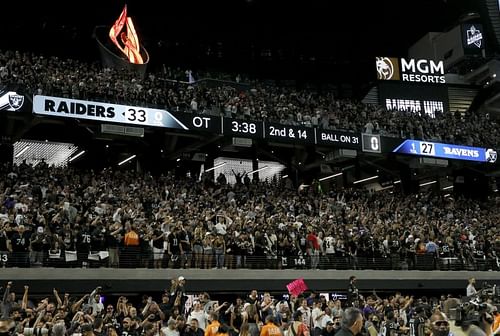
(491, 155)
(16, 101)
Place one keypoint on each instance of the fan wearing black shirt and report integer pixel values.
(158, 239)
(128, 328)
(174, 247)
(20, 242)
(166, 306)
(417, 322)
(185, 239)
(4, 248)
(83, 240)
(193, 329)
(390, 327)
(37, 246)
(444, 250)
(352, 292)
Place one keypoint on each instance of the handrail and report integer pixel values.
(134, 257)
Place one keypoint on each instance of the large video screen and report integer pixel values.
(414, 98)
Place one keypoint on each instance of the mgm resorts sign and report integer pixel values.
(410, 70)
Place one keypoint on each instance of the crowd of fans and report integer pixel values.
(118, 218)
(36, 74)
(57, 217)
(174, 313)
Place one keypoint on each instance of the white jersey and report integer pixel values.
(329, 245)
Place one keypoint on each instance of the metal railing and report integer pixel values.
(132, 257)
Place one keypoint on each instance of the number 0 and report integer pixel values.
(374, 143)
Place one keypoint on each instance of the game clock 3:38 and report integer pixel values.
(242, 128)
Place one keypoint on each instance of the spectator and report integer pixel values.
(298, 327)
(158, 240)
(250, 316)
(131, 246)
(199, 315)
(351, 323)
(352, 292)
(214, 324)
(471, 289)
(194, 330)
(440, 326)
(170, 329)
(496, 324)
(317, 316)
(270, 328)
(417, 322)
(20, 242)
(329, 330)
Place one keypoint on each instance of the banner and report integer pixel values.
(413, 98)
(446, 151)
(297, 287)
(123, 114)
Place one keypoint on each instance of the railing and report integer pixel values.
(132, 257)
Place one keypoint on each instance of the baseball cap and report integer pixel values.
(180, 278)
(330, 322)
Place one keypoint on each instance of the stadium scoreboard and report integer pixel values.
(446, 151)
(371, 143)
(145, 116)
(263, 130)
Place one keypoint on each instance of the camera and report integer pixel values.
(476, 310)
(35, 331)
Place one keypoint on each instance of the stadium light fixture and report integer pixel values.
(21, 152)
(365, 179)
(76, 156)
(215, 167)
(329, 177)
(258, 170)
(127, 159)
(427, 183)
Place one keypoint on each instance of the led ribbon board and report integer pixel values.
(446, 151)
(124, 114)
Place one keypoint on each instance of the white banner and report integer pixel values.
(123, 114)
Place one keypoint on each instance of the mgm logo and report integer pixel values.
(387, 68)
(412, 70)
